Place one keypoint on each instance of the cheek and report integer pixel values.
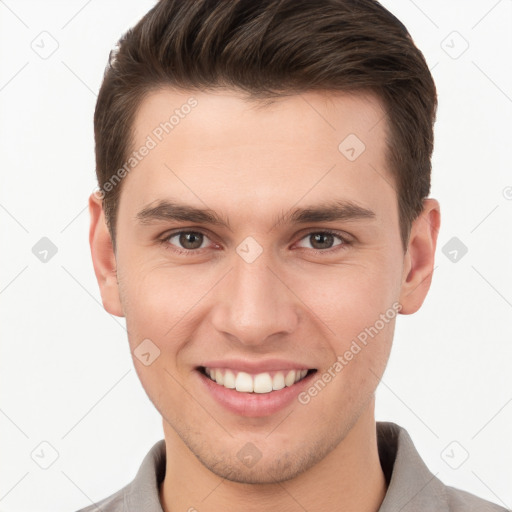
(358, 310)
(349, 299)
(159, 304)
(159, 301)
(358, 318)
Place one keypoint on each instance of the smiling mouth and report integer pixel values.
(265, 382)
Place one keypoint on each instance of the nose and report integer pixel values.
(255, 303)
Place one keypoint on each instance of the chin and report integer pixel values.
(270, 465)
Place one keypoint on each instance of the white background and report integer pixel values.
(67, 376)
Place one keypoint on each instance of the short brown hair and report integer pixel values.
(273, 48)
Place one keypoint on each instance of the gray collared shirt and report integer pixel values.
(411, 486)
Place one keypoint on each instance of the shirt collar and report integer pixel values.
(143, 492)
(411, 486)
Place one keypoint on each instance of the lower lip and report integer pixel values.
(254, 405)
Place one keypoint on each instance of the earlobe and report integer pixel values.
(103, 258)
(419, 259)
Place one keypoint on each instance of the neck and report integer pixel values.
(349, 478)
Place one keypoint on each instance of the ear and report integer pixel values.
(103, 257)
(419, 258)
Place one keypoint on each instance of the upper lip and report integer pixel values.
(255, 367)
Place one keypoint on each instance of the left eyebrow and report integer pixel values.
(342, 210)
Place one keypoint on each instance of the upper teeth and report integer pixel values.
(259, 383)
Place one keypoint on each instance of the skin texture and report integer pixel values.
(252, 163)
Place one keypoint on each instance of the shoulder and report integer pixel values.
(411, 485)
(458, 500)
(113, 503)
(142, 493)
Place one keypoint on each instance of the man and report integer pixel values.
(263, 217)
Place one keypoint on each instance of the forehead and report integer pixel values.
(322, 117)
(219, 148)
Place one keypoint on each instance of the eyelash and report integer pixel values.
(164, 240)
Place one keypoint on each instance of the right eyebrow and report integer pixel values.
(171, 211)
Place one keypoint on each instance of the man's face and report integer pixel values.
(264, 289)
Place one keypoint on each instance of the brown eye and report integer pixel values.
(323, 240)
(189, 240)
